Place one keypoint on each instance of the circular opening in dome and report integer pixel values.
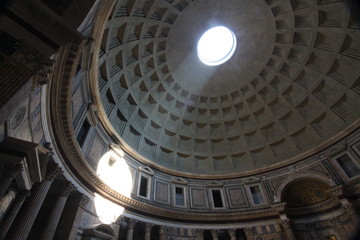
(216, 46)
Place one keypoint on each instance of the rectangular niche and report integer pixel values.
(162, 192)
(348, 165)
(198, 197)
(217, 198)
(144, 186)
(83, 132)
(257, 195)
(237, 197)
(179, 196)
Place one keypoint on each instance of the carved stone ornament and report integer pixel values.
(18, 118)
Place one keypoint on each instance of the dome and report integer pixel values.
(286, 91)
(113, 127)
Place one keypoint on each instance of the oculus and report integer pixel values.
(216, 46)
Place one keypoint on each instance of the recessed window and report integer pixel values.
(216, 46)
(143, 188)
(179, 196)
(256, 195)
(217, 198)
(84, 130)
(348, 165)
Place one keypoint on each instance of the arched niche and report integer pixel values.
(305, 192)
(97, 232)
(280, 188)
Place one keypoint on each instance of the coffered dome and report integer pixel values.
(292, 84)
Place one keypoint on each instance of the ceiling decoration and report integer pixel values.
(292, 83)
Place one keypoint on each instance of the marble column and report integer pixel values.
(214, 234)
(55, 214)
(249, 233)
(200, 234)
(163, 231)
(10, 173)
(73, 214)
(285, 223)
(130, 231)
(24, 222)
(232, 233)
(148, 228)
(13, 211)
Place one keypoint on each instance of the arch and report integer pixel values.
(105, 229)
(101, 231)
(305, 192)
(295, 177)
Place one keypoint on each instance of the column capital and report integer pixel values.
(67, 189)
(13, 169)
(199, 232)
(148, 227)
(131, 223)
(84, 200)
(214, 233)
(163, 229)
(232, 232)
(285, 223)
(22, 195)
(52, 172)
(249, 231)
(42, 77)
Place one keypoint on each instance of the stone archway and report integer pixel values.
(296, 177)
(305, 192)
(99, 231)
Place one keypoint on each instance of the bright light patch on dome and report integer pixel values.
(216, 46)
(115, 172)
